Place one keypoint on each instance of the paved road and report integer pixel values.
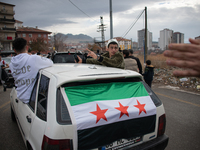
(182, 112)
(183, 118)
(10, 136)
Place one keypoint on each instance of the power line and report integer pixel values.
(134, 23)
(82, 11)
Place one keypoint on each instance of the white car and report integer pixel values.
(83, 106)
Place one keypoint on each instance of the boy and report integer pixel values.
(149, 73)
(112, 58)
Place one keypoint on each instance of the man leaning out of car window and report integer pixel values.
(112, 58)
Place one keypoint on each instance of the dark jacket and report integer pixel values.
(149, 72)
(116, 60)
(138, 63)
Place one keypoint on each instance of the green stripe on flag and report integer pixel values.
(104, 91)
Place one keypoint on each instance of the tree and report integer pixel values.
(57, 41)
(94, 47)
(38, 45)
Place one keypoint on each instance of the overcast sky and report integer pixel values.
(61, 16)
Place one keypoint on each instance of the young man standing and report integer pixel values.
(112, 58)
(24, 68)
(130, 64)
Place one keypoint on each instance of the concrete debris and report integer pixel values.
(165, 76)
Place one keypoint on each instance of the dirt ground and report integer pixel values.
(165, 77)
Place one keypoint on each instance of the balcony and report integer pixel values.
(5, 29)
(7, 39)
(4, 20)
(8, 12)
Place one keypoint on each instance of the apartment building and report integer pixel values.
(198, 37)
(7, 29)
(18, 24)
(30, 33)
(165, 38)
(141, 37)
(177, 37)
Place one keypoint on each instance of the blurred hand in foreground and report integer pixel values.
(186, 56)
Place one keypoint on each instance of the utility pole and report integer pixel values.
(101, 29)
(145, 48)
(54, 37)
(111, 25)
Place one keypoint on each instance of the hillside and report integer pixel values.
(80, 38)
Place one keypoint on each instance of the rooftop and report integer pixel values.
(31, 29)
(6, 4)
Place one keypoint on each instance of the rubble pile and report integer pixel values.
(165, 76)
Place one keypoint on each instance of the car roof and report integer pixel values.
(78, 72)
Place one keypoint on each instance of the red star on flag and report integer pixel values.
(100, 113)
(123, 110)
(140, 107)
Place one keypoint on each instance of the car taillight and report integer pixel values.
(161, 125)
(48, 143)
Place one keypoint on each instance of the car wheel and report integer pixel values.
(13, 115)
(29, 146)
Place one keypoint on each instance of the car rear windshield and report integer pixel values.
(65, 57)
(140, 87)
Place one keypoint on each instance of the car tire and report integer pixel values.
(13, 115)
(4, 89)
(29, 146)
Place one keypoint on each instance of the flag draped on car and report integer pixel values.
(107, 112)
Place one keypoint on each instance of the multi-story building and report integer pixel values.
(134, 45)
(30, 33)
(18, 24)
(123, 43)
(177, 37)
(7, 29)
(165, 38)
(141, 37)
(198, 37)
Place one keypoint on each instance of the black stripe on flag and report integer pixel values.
(106, 134)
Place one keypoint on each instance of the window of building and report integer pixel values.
(45, 35)
(4, 8)
(24, 34)
(30, 35)
(30, 42)
(39, 35)
(45, 42)
(19, 35)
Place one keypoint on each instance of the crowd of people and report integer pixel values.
(24, 67)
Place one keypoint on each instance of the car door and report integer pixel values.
(26, 117)
(40, 121)
(26, 113)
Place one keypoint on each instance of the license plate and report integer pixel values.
(121, 143)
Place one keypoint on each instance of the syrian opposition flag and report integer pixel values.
(108, 112)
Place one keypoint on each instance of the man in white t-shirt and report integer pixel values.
(24, 68)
